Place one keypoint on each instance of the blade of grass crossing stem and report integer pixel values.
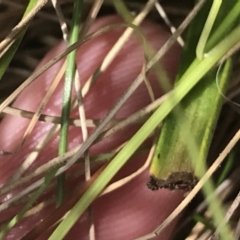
(7, 57)
(207, 28)
(187, 82)
(66, 102)
(225, 22)
(172, 161)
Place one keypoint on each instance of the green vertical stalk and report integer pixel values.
(66, 103)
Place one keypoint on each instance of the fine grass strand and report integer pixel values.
(62, 54)
(9, 54)
(22, 24)
(167, 21)
(43, 103)
(202, 67)
(67, 91)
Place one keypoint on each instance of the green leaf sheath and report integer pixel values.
(172, 165)
(187, 132)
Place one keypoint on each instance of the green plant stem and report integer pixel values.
(67, 91)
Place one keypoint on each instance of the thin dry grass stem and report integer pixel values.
(117, 47)
(53, 119)
(177, 33)
(43, 103)
(34, 154)
(223, 191)
(23, 193)
(234, 93)
(87, 167)
(200, 232)
(91, 17)
(61, 19)
(168, 22)
(135, 117)
(235, 204)
(44, 168)
(127, 179)
(233, 207)
(54, 60)
(147, 83)
(115, 124)
(196, 189)
(82, 117)
(17, 5)
(21, 25)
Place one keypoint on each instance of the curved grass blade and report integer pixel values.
(207, 28)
